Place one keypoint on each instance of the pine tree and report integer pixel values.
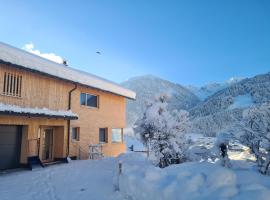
(162, 132)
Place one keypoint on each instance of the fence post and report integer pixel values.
(117, 181)
(120, 168)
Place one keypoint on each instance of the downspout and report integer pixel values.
(68, 121)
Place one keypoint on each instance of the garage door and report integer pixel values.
(10, 146)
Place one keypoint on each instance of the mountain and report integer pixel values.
(211, 88)
(221, 109)
(148, 87)
(223, 104)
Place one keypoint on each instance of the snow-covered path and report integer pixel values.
(77, 180)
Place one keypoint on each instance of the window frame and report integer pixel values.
(122, 135)
(89, 94)
(105, 136)
(77, 135)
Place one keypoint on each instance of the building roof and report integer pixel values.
(24, 59)
(7, 109)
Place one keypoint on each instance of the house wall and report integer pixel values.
(42, 91)
(37, 90)
(31, 131)
(110, 114)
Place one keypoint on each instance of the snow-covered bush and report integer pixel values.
(221, 146)
(254, 131)
(162, 132)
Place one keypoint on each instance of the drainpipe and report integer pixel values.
(68, 121)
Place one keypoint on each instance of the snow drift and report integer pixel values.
(142, 181)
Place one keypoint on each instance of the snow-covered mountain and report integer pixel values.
(148, 87)
(223, 103)
(221, 109)
(211, 88)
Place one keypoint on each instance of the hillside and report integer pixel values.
(222, 108)
(148, 87)
(217, 112)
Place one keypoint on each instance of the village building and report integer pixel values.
(50, 111)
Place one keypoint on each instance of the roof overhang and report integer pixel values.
(25, 114)
(7, 109)
(56, 77)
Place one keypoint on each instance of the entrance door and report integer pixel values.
(10, 146)
(47, 147)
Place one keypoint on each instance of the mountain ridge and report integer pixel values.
(203, 92)
(147, 87)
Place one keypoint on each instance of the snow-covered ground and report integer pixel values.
(193, 180)
(200, 144)
(81, 180)
(96, 179)
(236, 150)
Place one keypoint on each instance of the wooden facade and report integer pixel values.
(109, 114)
(41, 91)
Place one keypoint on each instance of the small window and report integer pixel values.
(117, 135)
(103, 135)
(89, 100)
(12, 85)
(75, 132)
(83, 99)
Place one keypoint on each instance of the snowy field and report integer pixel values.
(140, 180)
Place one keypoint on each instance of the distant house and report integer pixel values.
(51, 111)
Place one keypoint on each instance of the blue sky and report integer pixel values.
(188, 42)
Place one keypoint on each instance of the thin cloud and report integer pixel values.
(50, 56)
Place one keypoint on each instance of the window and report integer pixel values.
(83, 99)
(75, 132)
(103, 135)
(117, 135)
(12, 84)
(89, 100)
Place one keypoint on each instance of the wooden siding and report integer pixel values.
(110, 114)
(31, 130)
(37, 91)
(42, 91)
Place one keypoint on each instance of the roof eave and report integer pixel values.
(25, 114)
(59, 78)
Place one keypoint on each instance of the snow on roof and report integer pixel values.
(30, 61)
(13, 109)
